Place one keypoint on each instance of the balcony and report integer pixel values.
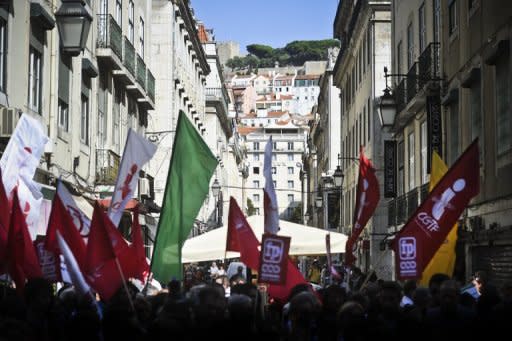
(107, 167)
(400, 99)
(127, 73)
(392, 213)
(109, 46)
(412, 82)
(141, 72)
(428, 65)
(217, 97)
(151, 86)
(412, 201)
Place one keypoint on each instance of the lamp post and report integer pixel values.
(216, 192)
(338, 182)
(74, 20)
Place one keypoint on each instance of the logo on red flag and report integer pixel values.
(426, 230)
(273, 259)
(367, 198)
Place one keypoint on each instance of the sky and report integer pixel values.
(268, 22)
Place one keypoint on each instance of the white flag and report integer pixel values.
(80, 220)
(73, 270)
(271, 210)
(137, 151)
(19, 163)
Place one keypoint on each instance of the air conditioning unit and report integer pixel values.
(144, 187)
(9, 118)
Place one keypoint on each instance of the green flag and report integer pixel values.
(192, 166)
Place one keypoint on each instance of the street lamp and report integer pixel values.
(338, 177)
(73, 22)
(387, 106)
(318, 201)
(215, 188)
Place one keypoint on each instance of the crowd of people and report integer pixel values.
(210, 304)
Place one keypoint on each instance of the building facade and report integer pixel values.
(364, 29)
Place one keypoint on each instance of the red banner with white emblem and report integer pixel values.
(367, 198)
(426, 230)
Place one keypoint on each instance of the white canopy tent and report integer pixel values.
(305, 241)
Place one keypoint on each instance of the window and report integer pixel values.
(256, 197)
(257, 210)
(256, 157)
(422, 29)
(369, 48)
(401, 175)
(503, 119)
(274, 170)
(412, 169)
(399, 57)
(290, 145)
(141, 38)
(63, 116)
(274, 145)
(119, 12)
(256, 184)
(290, 170)
(131, 14)
(255, 170)
(275, 183)
(102, 109)
(274, 157)
(424, 151)
(3, 54)
(256, 145)
(116, 116)
(290, 183)
(34, 80)
(369, 120)
(290, 157)
(290, 198)
(452, 16)
(437, 20)
(410, 46)
(84, 121)
(453, 131)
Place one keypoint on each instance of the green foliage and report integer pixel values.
(296, 216)
(251, 210)
(294, 53)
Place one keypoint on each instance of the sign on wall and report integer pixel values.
(389, 169)
(434, 127)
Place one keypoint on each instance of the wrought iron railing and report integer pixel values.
(412, 201)
(424, 192)
(141, 72)
(428, 65)
(129, 56)
(412, 82)
(110, 34)
(107, 166)
(400, 99)
(401, 203)
(151, 86)
(392, 213)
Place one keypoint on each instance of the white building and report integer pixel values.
(305, 90)
(289, 141)
(181, 68)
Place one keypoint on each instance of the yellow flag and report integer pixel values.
(444, 259)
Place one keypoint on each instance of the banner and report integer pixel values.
(367, 198)
(426, 230)
(273, 259)
(390, 169)
(137, 151)
(49, 262)
(435, 128)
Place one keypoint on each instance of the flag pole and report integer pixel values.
(124, 283)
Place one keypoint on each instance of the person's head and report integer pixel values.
(214, 265)
(356, 272)
(389, 297)
(304, 310)
(480, 280)
(409, 287)
(449, 295)
(434, 285)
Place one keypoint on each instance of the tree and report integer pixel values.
(235, 63)
(260, 51)
(251, 210)
(252, 62)
(296, 216)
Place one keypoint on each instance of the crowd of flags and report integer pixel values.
(95, 254)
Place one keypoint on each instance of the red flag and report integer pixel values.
(60, 220)
(426, 230)
(4, 223)
(23, 261)
(250, 255)
(101, 268)
(367, 198)
(137, 247)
